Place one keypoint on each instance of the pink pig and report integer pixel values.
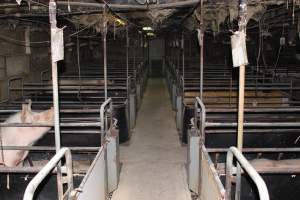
(23, 136)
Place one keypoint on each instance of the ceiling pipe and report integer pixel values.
(128, 7)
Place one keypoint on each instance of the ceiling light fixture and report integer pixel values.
(147, 28)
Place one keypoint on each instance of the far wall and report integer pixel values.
(156, 55)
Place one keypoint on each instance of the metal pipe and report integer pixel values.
(200, 108)
(103, 118)
(259, 182)
(201, 48)
(49, 148)
(104, 32)
(257, 150)
(36, 181)
(127, 61)
(37, 169)
(241, 107)
(78, 60)
(254, 124)
(242, 28)
(284, 131)
(53, 26)
(183, 61)
(62, 124)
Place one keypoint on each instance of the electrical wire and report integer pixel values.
(23, 43)
(278, 54)
(79, 67)
(84, 28)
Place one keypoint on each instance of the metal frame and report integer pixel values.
(37, 180)
(233, 152)
(106, 107)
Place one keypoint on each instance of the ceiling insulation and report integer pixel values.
(157, 16)
(164, 14)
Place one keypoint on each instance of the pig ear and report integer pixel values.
(28, 102)
(24, 112)
(29, 105)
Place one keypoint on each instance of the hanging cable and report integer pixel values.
(79, 68)
(278, 54)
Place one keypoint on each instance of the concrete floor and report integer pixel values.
(153, 164)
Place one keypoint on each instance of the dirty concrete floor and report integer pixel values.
(153, 163)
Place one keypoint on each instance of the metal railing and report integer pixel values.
(42, 77)
(248, 168)
(199, 125)
(9, 85)
(106, 107)
(200, 117)
(38, 179)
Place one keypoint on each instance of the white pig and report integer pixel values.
(23, 136)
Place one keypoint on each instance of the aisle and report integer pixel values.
(153, 164)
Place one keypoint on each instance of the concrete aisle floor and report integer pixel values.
(153, 164)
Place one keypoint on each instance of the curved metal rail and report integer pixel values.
(38, 179)
(105, 108)
(259, 182)
(200, 113)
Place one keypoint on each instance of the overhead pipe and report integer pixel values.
(117, 7)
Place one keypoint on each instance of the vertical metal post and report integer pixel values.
(202, 134)
(53, 25)
(242, 28)
(183, 59)
(134, 63)
(78, 61)
(241, 107)
(178, 56)
(201, 50)
(104, 32)
(127, 62)
(148, 54)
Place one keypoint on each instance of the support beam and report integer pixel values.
(53, 25)
(242, 28)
